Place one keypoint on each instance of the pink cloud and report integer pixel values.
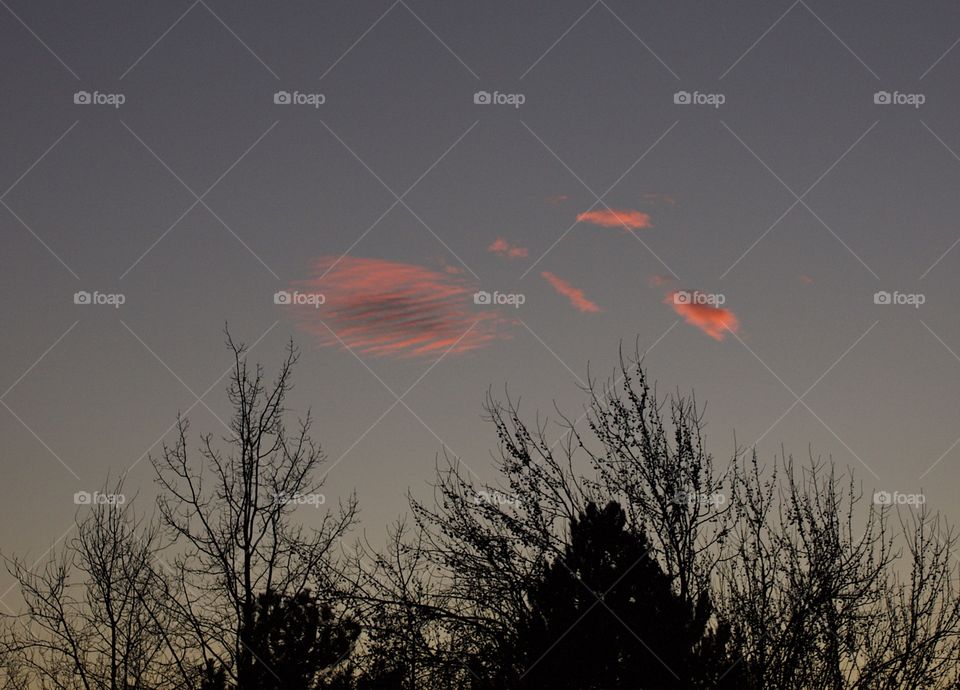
(616, 218)
(714, 321)
(386, 308)
(557, 198)
(503, 248)
(806, 280)
(575, 295)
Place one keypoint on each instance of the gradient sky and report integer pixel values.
(398, 197)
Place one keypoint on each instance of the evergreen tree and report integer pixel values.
(604, 615)
(297, 643)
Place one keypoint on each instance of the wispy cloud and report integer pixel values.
(575, 295)
(714, 321)
(617, 218)
(387, 308)
(511, 251)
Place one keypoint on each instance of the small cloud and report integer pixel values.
(575, 295)
(503, 248)
(805, 279)
(714, 321)
(557, 198)
(616, 218)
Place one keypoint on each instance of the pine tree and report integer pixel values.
(604, 616)
(297, 643)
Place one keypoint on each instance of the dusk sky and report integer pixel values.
(466, 196)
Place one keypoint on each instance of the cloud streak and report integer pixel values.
(577, 299)
(714, 321)
(616, 218)
(387, 308)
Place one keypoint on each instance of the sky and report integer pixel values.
(439, 199)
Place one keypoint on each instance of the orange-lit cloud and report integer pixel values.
(616, 218)
(714, 321)
(575, 295)
(386, 308)
(503, 248)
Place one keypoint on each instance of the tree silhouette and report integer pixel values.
(297, 642)
(604, 615)
(212, 677)
(94, 612)
(602, 559)
(229, 515)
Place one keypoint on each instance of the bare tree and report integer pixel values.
(476, 552)
(229, 513)
(785, 568)
(810, 585)
(92, 616)
(820, 595)
(649, 453)
(443, 600)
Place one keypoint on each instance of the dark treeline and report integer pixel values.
(616, 554)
